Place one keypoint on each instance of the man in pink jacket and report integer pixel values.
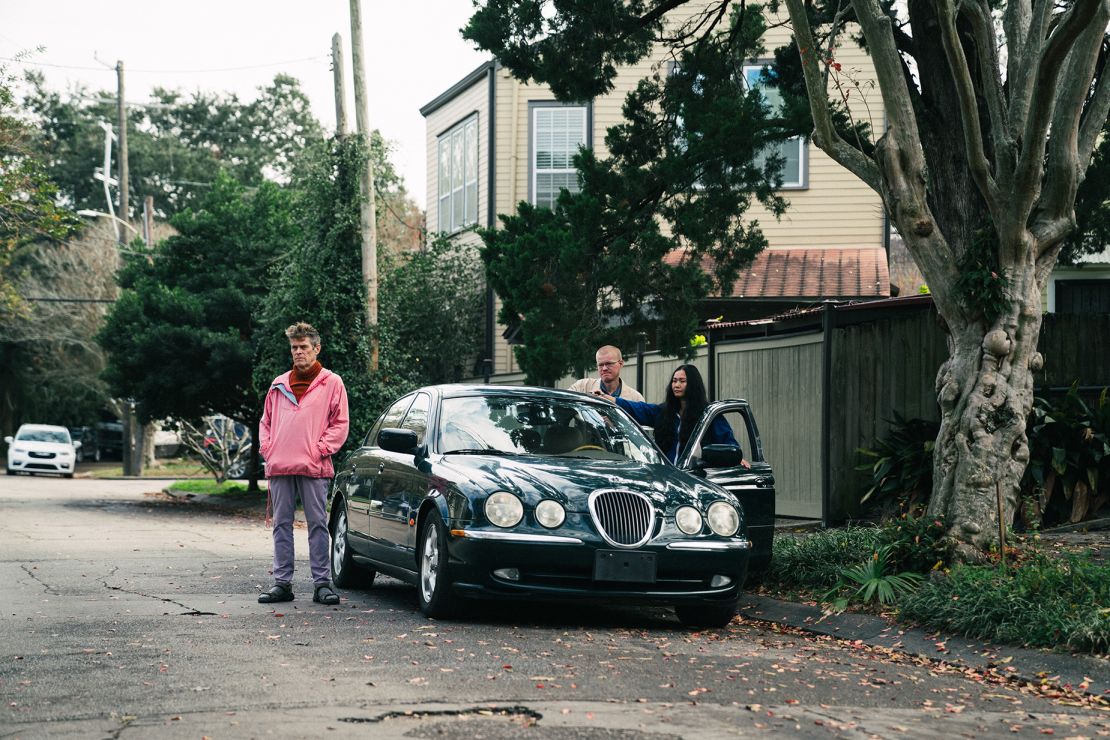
(304, 423)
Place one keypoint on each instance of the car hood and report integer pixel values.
(32, 446)
(571, 480)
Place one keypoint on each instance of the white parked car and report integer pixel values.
(40, 448)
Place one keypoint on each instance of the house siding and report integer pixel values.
(473, 100)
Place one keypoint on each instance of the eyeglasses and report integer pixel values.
(603, 365)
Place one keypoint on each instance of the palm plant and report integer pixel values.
(871, 582)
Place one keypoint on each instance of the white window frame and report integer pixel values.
(453, 187)
(534, 170)
(798, 141)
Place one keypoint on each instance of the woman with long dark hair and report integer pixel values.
(675, 418)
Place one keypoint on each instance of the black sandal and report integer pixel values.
(277, 592)
(325, 595)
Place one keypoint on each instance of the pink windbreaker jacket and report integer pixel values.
(300, 438)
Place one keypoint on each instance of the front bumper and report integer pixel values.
(24, 461)
(561, 568)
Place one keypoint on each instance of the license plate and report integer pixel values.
(630, 567)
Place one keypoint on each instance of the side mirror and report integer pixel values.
(721, 456)
(397, 440)
(8, 440)
(77, 444)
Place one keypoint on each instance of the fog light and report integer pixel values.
(719, 581)
(511, 574)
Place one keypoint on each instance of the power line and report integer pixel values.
(169, 71)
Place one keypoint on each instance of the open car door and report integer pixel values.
(713, 453)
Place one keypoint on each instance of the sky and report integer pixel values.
(413, 52)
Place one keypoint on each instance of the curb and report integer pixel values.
(1085, 674)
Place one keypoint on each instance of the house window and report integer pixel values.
(457, 175)
(558, 131)
(792, 151)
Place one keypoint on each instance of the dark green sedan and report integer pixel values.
(505, 492)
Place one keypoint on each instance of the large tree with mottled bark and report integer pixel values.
(992, 110)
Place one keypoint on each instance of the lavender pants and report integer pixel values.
(313, 492)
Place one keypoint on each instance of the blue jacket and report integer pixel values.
(651, 413)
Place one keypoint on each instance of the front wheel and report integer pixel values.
(434, 588)
(345, 572)
(705, 615)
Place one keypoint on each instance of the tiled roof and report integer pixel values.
(810, 273)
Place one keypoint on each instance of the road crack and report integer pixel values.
(190, 612)
(514, 711)
(45, 586)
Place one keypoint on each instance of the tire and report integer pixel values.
(345, 572)
(10, 471)
(67, 475)
(433, 586)
(706, 615)
(96, 455)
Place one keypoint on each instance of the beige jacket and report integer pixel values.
(589, 385)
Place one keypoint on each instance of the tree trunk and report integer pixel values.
(150, 430)
(985, 391)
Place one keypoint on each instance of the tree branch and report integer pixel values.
(978, 13)
(1064, 166)
(824, 135)
(1094, 118)
(1024, 39)
(1059, 45)
(969, 109)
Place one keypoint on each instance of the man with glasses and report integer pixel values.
(609, 364)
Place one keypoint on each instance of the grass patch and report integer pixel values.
(208, 486)
(813, 561)
(174, 468)
(1044, 602)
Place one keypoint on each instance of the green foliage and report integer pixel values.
(176, 144)
(981, 283)
(434, 303)
(871, 581)
(1069, 449)
(814, 560)
(28, 208)
(1092, 207)
(916, 543)
(208, 487)
(318, 279)
(1045, 602)
(179, 338)
(901, 464)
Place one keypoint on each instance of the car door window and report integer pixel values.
(416, 420)
(715, 432)
(391, 418)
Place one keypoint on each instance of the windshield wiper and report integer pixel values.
(477, 451)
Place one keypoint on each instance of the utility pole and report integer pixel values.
(340, 88)
(124, 210)
(366, 182)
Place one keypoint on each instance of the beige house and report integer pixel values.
(493, 141)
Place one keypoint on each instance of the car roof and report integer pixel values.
(460, 390)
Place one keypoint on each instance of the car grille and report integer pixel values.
(41, 455)
(623, 518)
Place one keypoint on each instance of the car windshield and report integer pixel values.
(540, 426)
(43, 435)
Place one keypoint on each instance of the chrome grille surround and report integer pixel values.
(625, 519)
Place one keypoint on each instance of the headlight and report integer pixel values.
(20, 450)
(504, 509)
(550, 513)
(688, 520)
(723, 518)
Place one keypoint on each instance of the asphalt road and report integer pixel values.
(127, 615)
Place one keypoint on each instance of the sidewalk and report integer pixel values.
(1084, 673)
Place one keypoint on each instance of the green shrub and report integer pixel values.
(871, 581)
(917, 544)
(901, 465)
(1042, 603)
(815, 560)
